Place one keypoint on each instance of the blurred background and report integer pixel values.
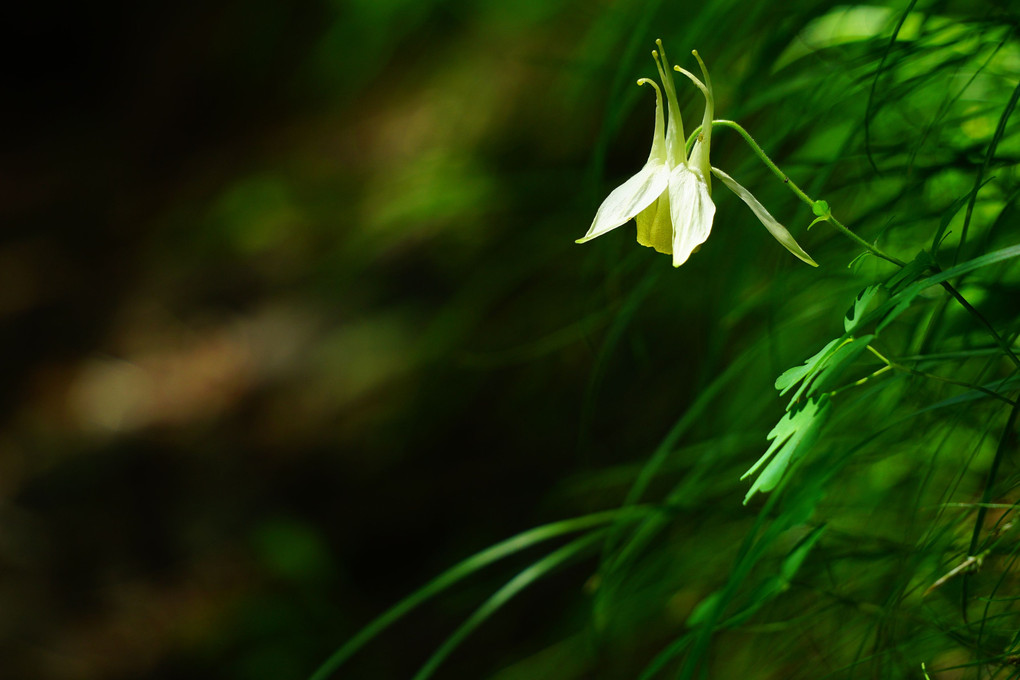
(294, 319)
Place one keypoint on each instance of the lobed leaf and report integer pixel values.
(792, 376)
(830, 370)
(853, 315)
(792, 437)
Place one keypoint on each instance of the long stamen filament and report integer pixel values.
(658, 65)
(695, 80)
(704, 70)
(642, 81)
(675, 127)
(702, 150)
(665, 62)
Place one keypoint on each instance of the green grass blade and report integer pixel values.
(464, 569)
(518, 583)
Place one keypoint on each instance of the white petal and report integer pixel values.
(658, 151)
(699, 161)
(630, 198)
(778, 231)
(692, 211)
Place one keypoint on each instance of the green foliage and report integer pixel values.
(895, 457)
(792, 437)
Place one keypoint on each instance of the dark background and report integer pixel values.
(292, 320)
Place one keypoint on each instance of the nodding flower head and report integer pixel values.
(670, 198)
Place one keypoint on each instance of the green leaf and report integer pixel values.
(853, 315)
(819, 373)
(900, 307)
(554, 560)
(764, 592)
(896, 303)
(830, 370)
(950, 213)
(792, 376)
(1000, 386)
(860, 258)
(792, 437)
(900, 281)
(913, 271)
(470, 566)
(704, 609)
(791, 565)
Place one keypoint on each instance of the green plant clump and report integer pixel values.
(859, 520)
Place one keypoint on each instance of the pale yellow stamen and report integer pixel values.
(704, 71)
(695, 80)
(675, 127)
(658, 65)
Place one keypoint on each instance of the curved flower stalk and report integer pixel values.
(670, 198)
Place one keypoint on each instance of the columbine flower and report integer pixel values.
(670, 198)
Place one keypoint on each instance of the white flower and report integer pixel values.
(670, 198)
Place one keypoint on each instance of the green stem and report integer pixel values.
(890, 364)
(877, 252)
(858, 383)
(1003, 345)
(1006, 441)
